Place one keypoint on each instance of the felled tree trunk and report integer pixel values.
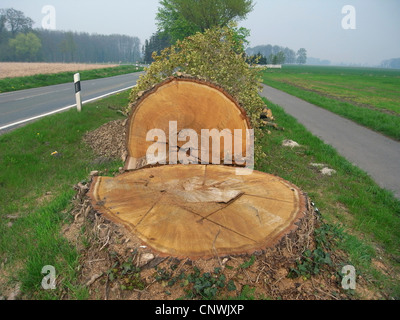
(199, 211)
(185, 103)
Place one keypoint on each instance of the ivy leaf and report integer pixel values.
(231, 286)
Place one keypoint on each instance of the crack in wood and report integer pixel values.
(144, 217)
(268, 198)
(213, 222)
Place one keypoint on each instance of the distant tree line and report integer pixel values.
(268, 54)
(391, 63)
(318, 62)
(60, 46)
(157, 42)
(19, 42)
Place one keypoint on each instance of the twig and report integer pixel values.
(95, 260)
(278, 280)
(289, 245)
(106, 290)
(327, 293)
(181, 266)
(93, 279)
(108, 239)
(261, 271)
(247, 275)
(267, 264)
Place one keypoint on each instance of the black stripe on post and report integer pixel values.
(77, 87)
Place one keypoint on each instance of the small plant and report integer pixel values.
(166, 277)
(205, 286)
(128, 275)
(313, 262)
(249, 263)
(247, 293)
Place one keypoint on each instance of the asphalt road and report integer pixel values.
(372, 152)
(28, 104)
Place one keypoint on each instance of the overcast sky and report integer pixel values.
(312, 24)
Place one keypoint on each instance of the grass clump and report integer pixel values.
(36, 189)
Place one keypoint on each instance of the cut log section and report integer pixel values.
(179, 104)
(200, 211)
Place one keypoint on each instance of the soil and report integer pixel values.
(266, 273)
(110, 255)
(22, 69)
(108, 141)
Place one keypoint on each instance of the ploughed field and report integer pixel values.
(23, 69)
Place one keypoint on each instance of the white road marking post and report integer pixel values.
(77, 82)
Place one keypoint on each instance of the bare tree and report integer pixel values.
(15, 21)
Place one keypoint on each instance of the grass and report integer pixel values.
(37, 188)
(370, 97)
(42, 80)
(368, 215)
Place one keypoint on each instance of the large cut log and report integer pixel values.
(179, 104)
(200, 211)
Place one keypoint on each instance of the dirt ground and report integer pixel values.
(117, 265)
(22, 69)
(112, 253)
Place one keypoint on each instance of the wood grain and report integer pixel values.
(199, 211)
(192, 104)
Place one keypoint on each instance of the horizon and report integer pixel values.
(327, 30)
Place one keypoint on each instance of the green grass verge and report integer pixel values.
(42, 80)
(28, 172)
(370, 216)
(370, 97)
